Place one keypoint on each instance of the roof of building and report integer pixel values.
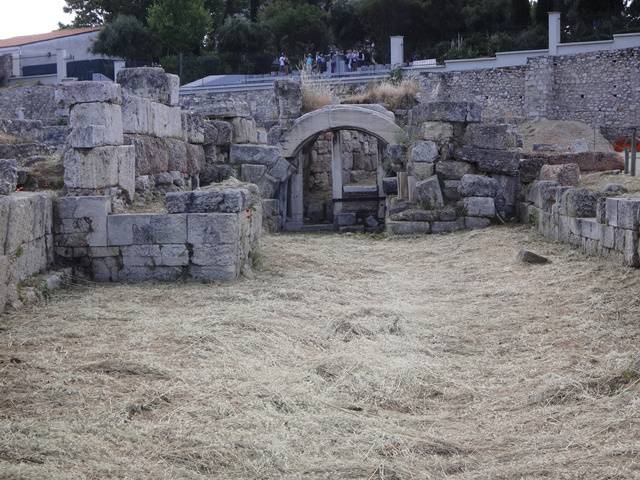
(43, 37)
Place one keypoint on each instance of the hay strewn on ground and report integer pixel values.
(347, 357)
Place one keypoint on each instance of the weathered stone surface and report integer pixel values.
(29, 218)
(288, 95)
(424, 151)
(193, 127)
(623, 212)
(79, 207)
(478, 186)
(439, 132)
(416, 215)
(215, 255)
(407, 227)
(525, 256)
(195, 158)
(543, 194)
(476, 223)
(244, 130)
(396, 156)
(213, 273)
(462, 112)
(490, 161)
(345, 219)
(72, 93)
(390, 185)
(450, 189)
(612, 189)
(6, 71)
(254, 154)
(215, 199)
(252, 173)
(530, 168)
(95, 125)
(480, 207)
(428, 193)
(422, 170)
(447, 227)
(8, 176)
(566, 174)
(452, 170)
(212, 228)
(217, 132)
(223, 108)
(151, 83)
(492, 136)
(145, 117)
(578, 202)
(98, 168)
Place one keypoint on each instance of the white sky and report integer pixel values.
(27, 17)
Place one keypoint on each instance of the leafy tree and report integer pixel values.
(543, 7)
(98, 12)
(126, 37)
(346, 24)
(245, 46)
(520, 13)
(181, 25)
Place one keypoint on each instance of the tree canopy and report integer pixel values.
(245, 36)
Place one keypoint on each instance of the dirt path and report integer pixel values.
(346, 357)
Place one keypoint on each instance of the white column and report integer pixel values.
(554, 32)
(61, 64)
(336, 172)
(397, 51)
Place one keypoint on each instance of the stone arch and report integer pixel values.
(372, 119)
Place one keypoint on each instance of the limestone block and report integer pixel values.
(142, 229)
(72, 93)
(416, 215)
(213, 273)
(475, 223)
(590, 228)
(29, 260)
(460, 112)
(29, 219)
(492, 136)
(450, 189)
(288, 98)
(508, 189)
(480, 207)
(224, 108)
(630, 252)
(255, 154)
(422, 170)
(407, 228)
(136, 115)
(252, 173)
(529, 168)
(192, 127)
(217, 132)
(390, 185)
(105, 269)
(166, 121)
(345, 219)
(149, 273)
(439, 132)
(195, 158)
(8, 176)
(452, 170)
(447, 227)
(566, 174)
(424, 151)
(578, 202)
(478, 186)
(95, 169)
(429, 194)
(490, 161)
(155, 155)
(281, 170)
(543, 194)
(5, 207)
(151, 83)
(623, 212)
(212, 228)
(244, 130)
(225, 200)
(95, 125)
(155, 255)
(4, 280)
(80, 207)
(215, 255)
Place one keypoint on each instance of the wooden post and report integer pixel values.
(336, 172)
(626, 161)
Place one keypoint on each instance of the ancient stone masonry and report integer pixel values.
(210, 235)
(598, 223)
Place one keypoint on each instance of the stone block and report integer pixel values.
(252, 173)
(95, 169)
(129, 229)
(566, 174)
(476, 223)
(390, 185)
(490, 161)
(8, 176)
(4, 281)
(439, 132)
(345, 219)
(396, 155)
(29, 260)
(193, 128)
(623, 212)
(450, 189)
(151, 83)
(223, 108)
(480, 207)
(424, 151)
(195, 158)
(630, 252)
(459, 112)
(492, 136)
(29, 219)
(166, 121)
(5, 208)
(72, 93)
(447, 227)
(529, 168)
(453, 170)
(543, 194)
(213, 273)
(217, 132)
(281, 170)
(407, 227)
(422, 170)
(255, 154)
(478, 186)
(215, 255)
(429, 194)
(590, 228)
(150, 273)
(95, 125)
(416, 215)
(79, 207)
(168, 229)
(212, 228)
(578, 202)
(244, 130)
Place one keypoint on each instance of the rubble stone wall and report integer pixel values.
(592, 222)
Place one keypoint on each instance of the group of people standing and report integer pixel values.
(320, 62)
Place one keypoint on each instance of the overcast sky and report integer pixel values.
(26, 17)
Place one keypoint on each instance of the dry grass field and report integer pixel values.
(346, 357)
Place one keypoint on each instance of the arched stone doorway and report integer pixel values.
(373, 120)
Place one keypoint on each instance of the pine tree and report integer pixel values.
(520, 13)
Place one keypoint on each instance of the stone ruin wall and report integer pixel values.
(600, 88)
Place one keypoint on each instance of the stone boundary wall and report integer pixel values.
(26, 241)
(209, 235)
(31, 103)
(599, 88)
(596, 224)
